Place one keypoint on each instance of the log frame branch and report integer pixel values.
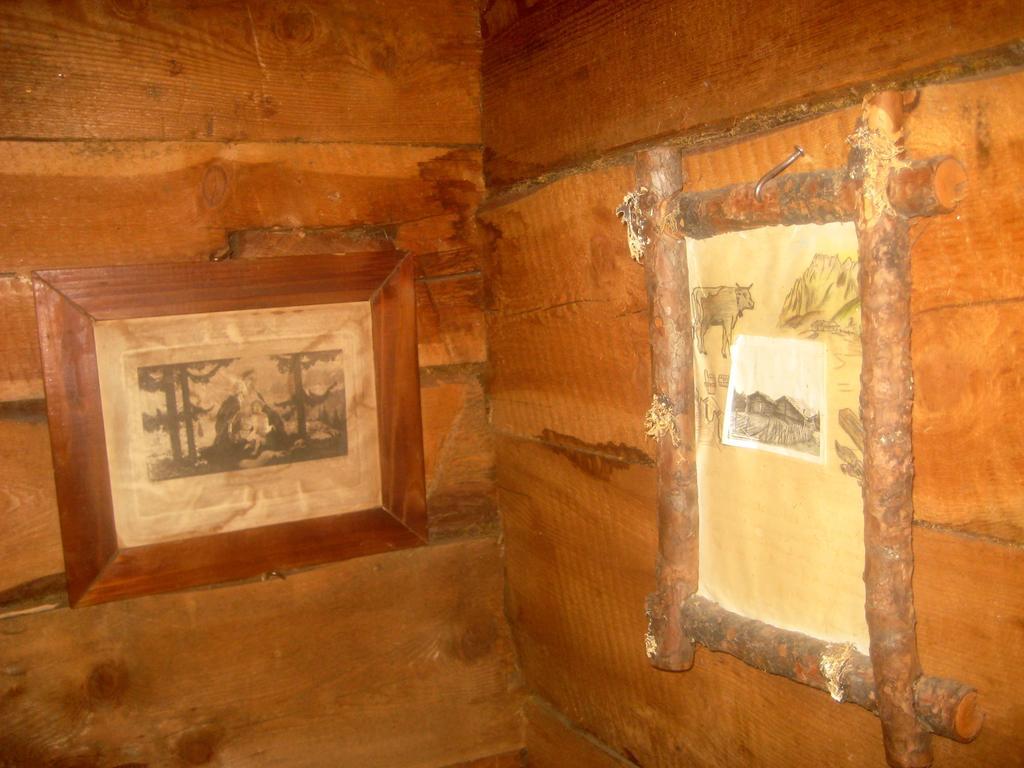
(886, 401)
(879, 194)
(659, 172)
(924, 188)
(945, 707)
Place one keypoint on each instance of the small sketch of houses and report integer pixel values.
(712, 381)
(788, 409)
(784, 408)
(758, 403)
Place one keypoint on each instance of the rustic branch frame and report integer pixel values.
(70, 302)
(879, 197)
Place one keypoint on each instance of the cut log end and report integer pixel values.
(950, 183)
(884, 112)
(668, 648)
(680, 661)
(928, 187)
(969, 718)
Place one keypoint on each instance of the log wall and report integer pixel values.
(566, 81)
(143, 130)
(571, 371)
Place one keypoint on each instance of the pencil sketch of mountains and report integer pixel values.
(825, 298)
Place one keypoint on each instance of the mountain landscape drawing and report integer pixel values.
(825, 298)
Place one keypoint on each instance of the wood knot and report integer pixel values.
(384, 59)
(130, 10)
(214, 186)
(296, 27)
(198, 745)
(107, 683)
(267, 106)
(13, 692)
(474, 639)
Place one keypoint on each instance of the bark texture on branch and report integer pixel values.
(886, 399)
(945, 707)
(948, 708)
(659, 171)
(923, 188)
(817, 197)
(928, 187)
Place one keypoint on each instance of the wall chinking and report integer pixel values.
(571, 373)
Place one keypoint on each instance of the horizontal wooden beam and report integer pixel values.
(264, 665)
(39, 594)
(312, 71)
(706, 72)
(945, 707)
(923, 188)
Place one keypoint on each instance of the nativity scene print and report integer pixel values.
(237, 413)
(776, 397)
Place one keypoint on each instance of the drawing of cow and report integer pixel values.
(720, 305)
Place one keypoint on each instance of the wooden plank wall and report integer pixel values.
(565, 81)
(144, 130)
(553, 742)
(242, 71)
(571, 383)
(394, 660)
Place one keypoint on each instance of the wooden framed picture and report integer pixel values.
(214, 421)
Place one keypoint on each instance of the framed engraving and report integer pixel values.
(215, 421)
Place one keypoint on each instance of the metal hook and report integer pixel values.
(798, 152)
(224, 254)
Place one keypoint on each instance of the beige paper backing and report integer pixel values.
(147, 512)
(782, 539)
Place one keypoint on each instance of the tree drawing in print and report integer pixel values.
(301, 399)
(173, 382)
(240, 413)
(162, 379)
(191, 411)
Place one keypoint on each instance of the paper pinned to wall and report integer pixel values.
(776, 397)
(776, 316)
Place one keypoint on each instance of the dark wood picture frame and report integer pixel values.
(70, 302)
(879, 195)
